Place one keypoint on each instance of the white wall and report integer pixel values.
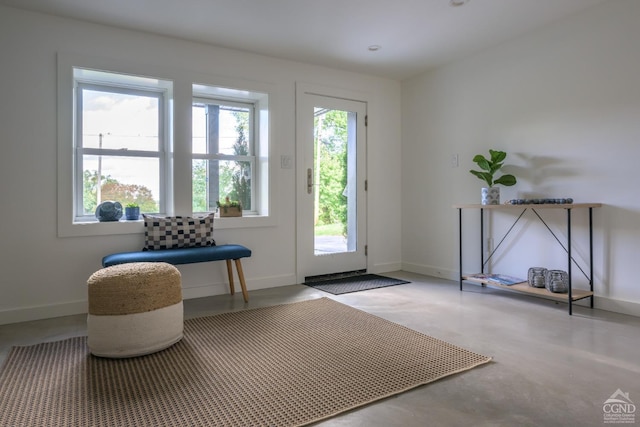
(44, 275)
(564, 102)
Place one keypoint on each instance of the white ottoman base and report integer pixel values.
(137, 334)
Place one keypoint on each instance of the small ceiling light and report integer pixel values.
(456, 3)
(374, 47)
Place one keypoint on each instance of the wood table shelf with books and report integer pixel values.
(522, 286)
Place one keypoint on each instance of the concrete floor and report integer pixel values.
(548, 368)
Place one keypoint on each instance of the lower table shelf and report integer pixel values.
(576, 294)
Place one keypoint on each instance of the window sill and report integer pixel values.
(95, 228)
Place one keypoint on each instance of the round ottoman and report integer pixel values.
(134, 309)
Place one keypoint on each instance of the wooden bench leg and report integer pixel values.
(243, 285)
(230, 274)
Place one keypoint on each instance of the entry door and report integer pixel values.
(331, 180)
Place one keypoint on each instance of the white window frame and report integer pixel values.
(71, 70)
(178, 99)
(251, 158)
(111, 83)
(260, 170)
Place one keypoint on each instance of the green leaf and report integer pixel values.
(482, 162)
(497, 156)
(495, 167)
(506, 180)
(485, 176)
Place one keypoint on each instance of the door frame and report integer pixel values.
(339, 94)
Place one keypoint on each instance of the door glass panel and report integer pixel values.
(334, 169)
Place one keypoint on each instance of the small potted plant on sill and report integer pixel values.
(491, 193)
(229, 208)
(132, 212)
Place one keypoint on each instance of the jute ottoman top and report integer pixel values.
(134, 288)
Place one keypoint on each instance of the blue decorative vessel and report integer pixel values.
(132, 213)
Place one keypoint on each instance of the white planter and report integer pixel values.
(491, 196)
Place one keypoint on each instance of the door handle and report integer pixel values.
(309, 181)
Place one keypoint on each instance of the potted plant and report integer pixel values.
(229, 208)
(491, 193)
(132, 211)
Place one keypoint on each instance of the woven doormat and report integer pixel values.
(286, 365)
(361, 282)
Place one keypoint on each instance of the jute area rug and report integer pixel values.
(285, 365)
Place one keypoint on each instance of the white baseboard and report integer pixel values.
(432, 271)
(617, 306)
(253, 284)
(26, 314)
(385, 267)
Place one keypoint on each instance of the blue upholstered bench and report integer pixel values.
(189, 256)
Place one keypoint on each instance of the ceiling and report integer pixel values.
(413, 35)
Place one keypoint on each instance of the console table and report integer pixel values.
(573, 294)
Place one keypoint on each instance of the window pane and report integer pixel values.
(334, 204)
(234, 131)
(235, 182)
(214, 180)
(221, 129)
(118, 120)
(123, 179)
(200, 187)
(199, 129)
(227, 131)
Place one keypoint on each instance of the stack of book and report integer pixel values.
(500, 279)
